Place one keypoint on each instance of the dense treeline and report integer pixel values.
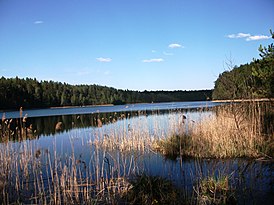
(249, 81)
(31, 93)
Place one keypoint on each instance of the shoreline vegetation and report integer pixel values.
(31, 93)
(244, 129)
(233, 131)
(245, 100)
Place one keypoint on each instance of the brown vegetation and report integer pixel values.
(235, 130)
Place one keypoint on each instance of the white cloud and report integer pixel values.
(239, 35)
(38, 22)
(175, 45)
(105, 60)
(256, 38)
(153, 60)
(153, 51)
(248, 37)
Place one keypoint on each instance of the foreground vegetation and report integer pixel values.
(113, 173)
(236, 130)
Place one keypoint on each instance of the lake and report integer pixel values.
(111, 142)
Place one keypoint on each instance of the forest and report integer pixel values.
(31, 93)
(249, 81)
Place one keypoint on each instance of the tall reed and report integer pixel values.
(31, 174)
(234, 130)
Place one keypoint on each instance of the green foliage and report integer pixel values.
(254, 80)
(30, 93)
(174, 146)
(215, 190)
(151, 190)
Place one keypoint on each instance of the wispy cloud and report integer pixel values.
(239, 35)
(105, 60)
(153, 60)
(258, 37)
(38, 22)
(167, 54)
(175, 45)
(248, 36)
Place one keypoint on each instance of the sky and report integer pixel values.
(131, 44)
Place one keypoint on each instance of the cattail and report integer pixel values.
(3, 117)
(184, 118)
(99, 122)
(37, 153)
(58, 126)
(21, 112)
(25, 118)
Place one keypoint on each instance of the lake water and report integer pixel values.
(106, 109)
(114, 141)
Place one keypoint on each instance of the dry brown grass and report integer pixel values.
(37, 176)
(29, 174)
(235, 130)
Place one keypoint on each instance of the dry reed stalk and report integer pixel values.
(229, 133)
(235, 130)
(138, 135)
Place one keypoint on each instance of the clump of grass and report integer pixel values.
(147, 189)
(173, 147)
(233, 131)
(214, 190)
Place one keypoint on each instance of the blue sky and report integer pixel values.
(131, 44)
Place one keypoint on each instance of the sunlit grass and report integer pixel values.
(234, 131)
(30, 174)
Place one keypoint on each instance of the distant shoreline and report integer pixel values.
(101, 105)
(56, 107)
(246, 100)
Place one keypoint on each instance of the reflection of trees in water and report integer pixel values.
(37, 126)
(47, 125)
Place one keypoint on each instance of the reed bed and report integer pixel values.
(235, 130)
(31, 174)
(137, 135)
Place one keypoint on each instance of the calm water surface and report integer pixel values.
(106, 109)
(80, 132)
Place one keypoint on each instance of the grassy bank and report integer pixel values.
(234, 130)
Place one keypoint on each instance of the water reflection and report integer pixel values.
(35, 127)
(79, 145)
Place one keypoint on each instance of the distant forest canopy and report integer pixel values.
(249, 81)
(30, 93)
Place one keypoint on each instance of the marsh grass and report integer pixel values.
(214, 190)
(235, 130)
(151, 190)
(30, 174)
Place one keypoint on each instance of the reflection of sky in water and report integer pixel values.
(105, 109)
(153, 125)
(183, 173)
